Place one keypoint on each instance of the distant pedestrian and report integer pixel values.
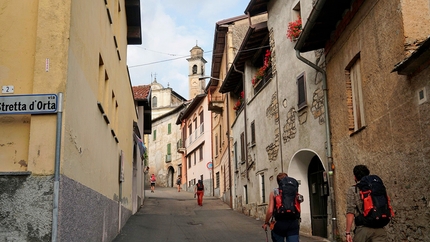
(153, 180)
(199, 190)
(367, 226)
(283, 212)
(178, 183)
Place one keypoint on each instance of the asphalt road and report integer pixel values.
(168, 215)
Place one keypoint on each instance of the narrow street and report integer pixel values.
(168, 215)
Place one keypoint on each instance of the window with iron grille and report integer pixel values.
(217, 179)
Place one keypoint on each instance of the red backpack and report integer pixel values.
(287, 204)
(377, 210)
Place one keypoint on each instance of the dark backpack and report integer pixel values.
(200, 186)
(287, 205)
(377, 210)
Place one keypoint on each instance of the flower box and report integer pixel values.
(294, 29)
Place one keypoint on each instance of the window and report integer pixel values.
(195, 158)
(201, 152)
(262, 189)
(154, 134)
(245, 194)
(296, 11)
(301, 90)
(194, 69)
(189, 161)
(253, 132)
(216, 145)
(242, 147)
(201, 122)
(355, 95)
(190, 129)
(154, 102)
(264, 72)
(235, 155)
(220, 137)
(217, 179)
(169, 128)
(169, 152)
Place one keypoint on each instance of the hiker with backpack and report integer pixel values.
(199, 190)
(368, 206)
(283, 212)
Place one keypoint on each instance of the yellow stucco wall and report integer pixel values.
(72, 35)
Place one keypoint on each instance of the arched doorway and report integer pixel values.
(318, 192)
(170, 178)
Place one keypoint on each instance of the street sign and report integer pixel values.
(29, 104)
(209, 165)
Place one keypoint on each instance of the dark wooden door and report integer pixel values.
(318, 190)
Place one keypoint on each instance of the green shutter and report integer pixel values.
(168, 149)
(155, 134)
(169, 128)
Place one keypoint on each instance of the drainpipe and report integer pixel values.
(57, 168)
(328, 139)
(244, 120)
(227, 44)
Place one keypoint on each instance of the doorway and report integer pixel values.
(318, 192)
(170, 177)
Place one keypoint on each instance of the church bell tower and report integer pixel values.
(196, 69)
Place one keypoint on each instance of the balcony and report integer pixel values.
(195, 135)
(180, 146)
(168, 158)
(216, 104)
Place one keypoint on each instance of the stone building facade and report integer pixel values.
(379, 118)
(228, 37)
(163, 159)
(278, 119)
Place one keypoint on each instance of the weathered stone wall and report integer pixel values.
(84, 214)
(394, 143)
(26, 207)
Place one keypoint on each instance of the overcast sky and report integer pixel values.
(170, 28)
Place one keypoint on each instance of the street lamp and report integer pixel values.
(206, 77)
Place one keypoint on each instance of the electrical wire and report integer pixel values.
(186, 56)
